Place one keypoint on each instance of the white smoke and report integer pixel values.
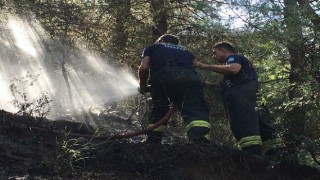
(26, 49)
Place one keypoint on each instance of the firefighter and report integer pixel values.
(168, 68)
(251, 129)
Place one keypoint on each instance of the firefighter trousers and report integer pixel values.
(250, 128)
(188, 97)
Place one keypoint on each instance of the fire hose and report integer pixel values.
(163, 120)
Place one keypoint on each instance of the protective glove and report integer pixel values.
(142, 89)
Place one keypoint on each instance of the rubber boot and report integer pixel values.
(255, 150)
(197, 134)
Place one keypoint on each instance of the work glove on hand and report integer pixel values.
(142, 89)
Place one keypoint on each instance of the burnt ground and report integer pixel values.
(33, 148)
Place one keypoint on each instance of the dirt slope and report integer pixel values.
(40, 149)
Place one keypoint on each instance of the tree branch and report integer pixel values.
(313, 16)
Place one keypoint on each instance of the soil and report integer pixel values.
(37, 148)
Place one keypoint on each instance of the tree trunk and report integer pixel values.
(65, 73)
(295, 115)
(159, 18)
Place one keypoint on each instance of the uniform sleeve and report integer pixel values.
(147, 51)
(144, 53)
(233, 59)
